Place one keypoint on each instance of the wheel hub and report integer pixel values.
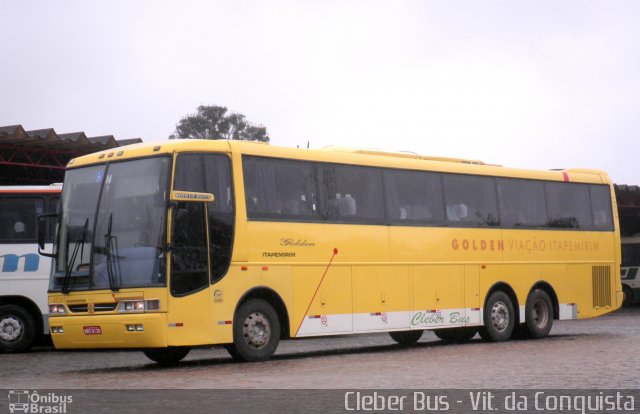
(540, 314)
(10, 329)
(256, 330)
(500, 316)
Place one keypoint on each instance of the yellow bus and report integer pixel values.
(186, 243)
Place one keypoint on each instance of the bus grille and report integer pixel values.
(98, 307)
(601, 286)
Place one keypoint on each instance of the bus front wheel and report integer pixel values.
(167, 356)
(17, 329)
(538, 314)
(499, 318)
(406, 338)
(256, 332)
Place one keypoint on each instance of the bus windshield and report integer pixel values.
(112, 226)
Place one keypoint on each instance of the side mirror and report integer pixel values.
(43, 221)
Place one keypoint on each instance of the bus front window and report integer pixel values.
(112, 226)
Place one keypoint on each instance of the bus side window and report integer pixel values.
(18, 218)
(630, 254)
(353, 194)
(471, 200)
(568, 205)
(601, 207)
(522, 203)
(413, 197)
(279, 189)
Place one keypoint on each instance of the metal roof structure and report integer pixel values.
(39, 156)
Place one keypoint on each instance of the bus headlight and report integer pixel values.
(128, 306)
(57, 309)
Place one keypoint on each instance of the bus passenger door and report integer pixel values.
(189, 304)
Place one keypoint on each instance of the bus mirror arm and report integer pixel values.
(43, 220)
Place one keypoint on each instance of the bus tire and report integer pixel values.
(17, 328)
(167, 356)
(256, 332)
(627, 295)
(499, 318)
(406, 338)
(456, 335)
(538, 314)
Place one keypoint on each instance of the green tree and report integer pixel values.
(213, 122)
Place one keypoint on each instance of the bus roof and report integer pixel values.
(343, 155)
(402, 154)
(30, 189)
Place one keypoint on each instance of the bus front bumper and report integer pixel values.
(148, 330)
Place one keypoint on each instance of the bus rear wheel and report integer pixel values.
(538, 314)
(17, 329)
(499, 318)
(406, 338)
(167, 356)
(456, 335)
(256, 332)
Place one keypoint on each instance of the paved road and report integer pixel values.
(596, 353)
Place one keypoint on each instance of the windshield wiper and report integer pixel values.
(108, 242)
(74, 255)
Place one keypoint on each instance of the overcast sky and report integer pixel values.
(536, 84)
